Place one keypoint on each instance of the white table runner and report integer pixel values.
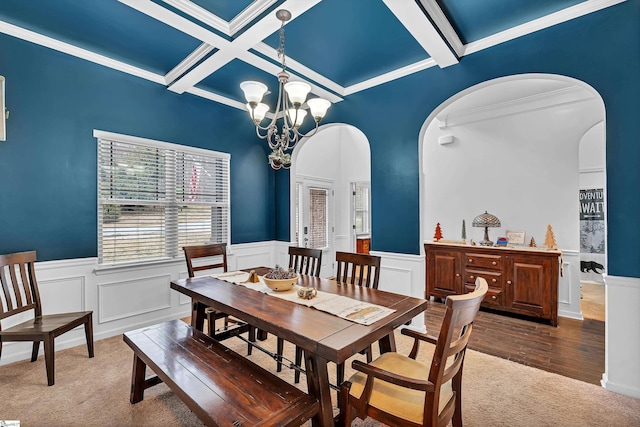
(344, 307)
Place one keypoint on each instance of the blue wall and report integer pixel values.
(601, 49)
(48, 163)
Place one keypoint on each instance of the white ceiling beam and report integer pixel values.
(443, 24)
(189, 62)
(251, 37)
(415, 21)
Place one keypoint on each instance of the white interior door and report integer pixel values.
(314, 220)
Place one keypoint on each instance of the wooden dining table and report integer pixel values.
(324, 337)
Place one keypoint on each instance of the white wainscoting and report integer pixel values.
(569, 286)
(403, 274)
(122, 298)
(622, 335)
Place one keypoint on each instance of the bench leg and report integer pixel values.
(137, 380)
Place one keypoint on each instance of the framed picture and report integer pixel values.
(515, 237)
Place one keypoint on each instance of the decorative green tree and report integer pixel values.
(438, 234)
(464, 232)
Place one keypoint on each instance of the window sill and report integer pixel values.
(103, 269)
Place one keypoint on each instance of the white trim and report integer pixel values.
(547, 21)
(390, 76)
(157, 144)
(423, 31)
(443, 24)
(554, 98)
(189, 62)
(216, 98)
(39, 39)
(200, 14)
(253, 11)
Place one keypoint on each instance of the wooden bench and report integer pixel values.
(219, 385)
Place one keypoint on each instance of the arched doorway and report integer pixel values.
(326, 168)
(511, 146)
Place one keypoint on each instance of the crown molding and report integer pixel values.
(30, 36)
(547, 21)
(544, 100)
(390, 76)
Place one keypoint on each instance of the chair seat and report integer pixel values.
(46, 324)
(399, 401)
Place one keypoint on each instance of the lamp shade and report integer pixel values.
(297, 91)
(299, 118)
(486, 220)
(258, 112)
(253, 91)
(318, 107)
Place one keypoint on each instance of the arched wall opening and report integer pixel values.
(510, 146)
(335, 158)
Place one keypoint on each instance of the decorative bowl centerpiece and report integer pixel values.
(280, 279)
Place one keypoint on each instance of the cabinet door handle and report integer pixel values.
(471, 277)
(494, 263)
(457, 274)
(508, 282)
(494, 280)
(494, 297)
(469, 260)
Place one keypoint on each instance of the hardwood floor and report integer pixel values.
(575, 348)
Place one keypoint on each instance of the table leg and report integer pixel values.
(198, 315)
(387, 344)
(318, 386)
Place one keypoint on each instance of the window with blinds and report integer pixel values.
(361, 208)
(155, 197)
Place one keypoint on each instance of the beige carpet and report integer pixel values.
(95, 392)
(592, 303)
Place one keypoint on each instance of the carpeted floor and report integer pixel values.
(95, 392)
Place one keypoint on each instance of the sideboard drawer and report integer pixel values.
(493, 262)
(493, 278)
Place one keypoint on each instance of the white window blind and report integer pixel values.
(154, 198)
(362, 203)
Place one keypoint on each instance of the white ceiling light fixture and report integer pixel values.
(291, 97)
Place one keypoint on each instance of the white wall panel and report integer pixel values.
(62, 295)
(128, 298)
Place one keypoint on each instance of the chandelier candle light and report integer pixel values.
(291, 97)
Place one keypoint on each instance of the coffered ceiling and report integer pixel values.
(207, 47)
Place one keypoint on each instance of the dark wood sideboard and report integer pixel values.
(521, 280)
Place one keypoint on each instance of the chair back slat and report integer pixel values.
(19, 286)
(214, 251)
(305, 260)
(358, 269)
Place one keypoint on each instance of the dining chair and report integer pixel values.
(399, 390)
(21, 294)
(357, 269)
(303, 261)
(210, 257)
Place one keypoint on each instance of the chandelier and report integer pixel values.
(291, 97)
